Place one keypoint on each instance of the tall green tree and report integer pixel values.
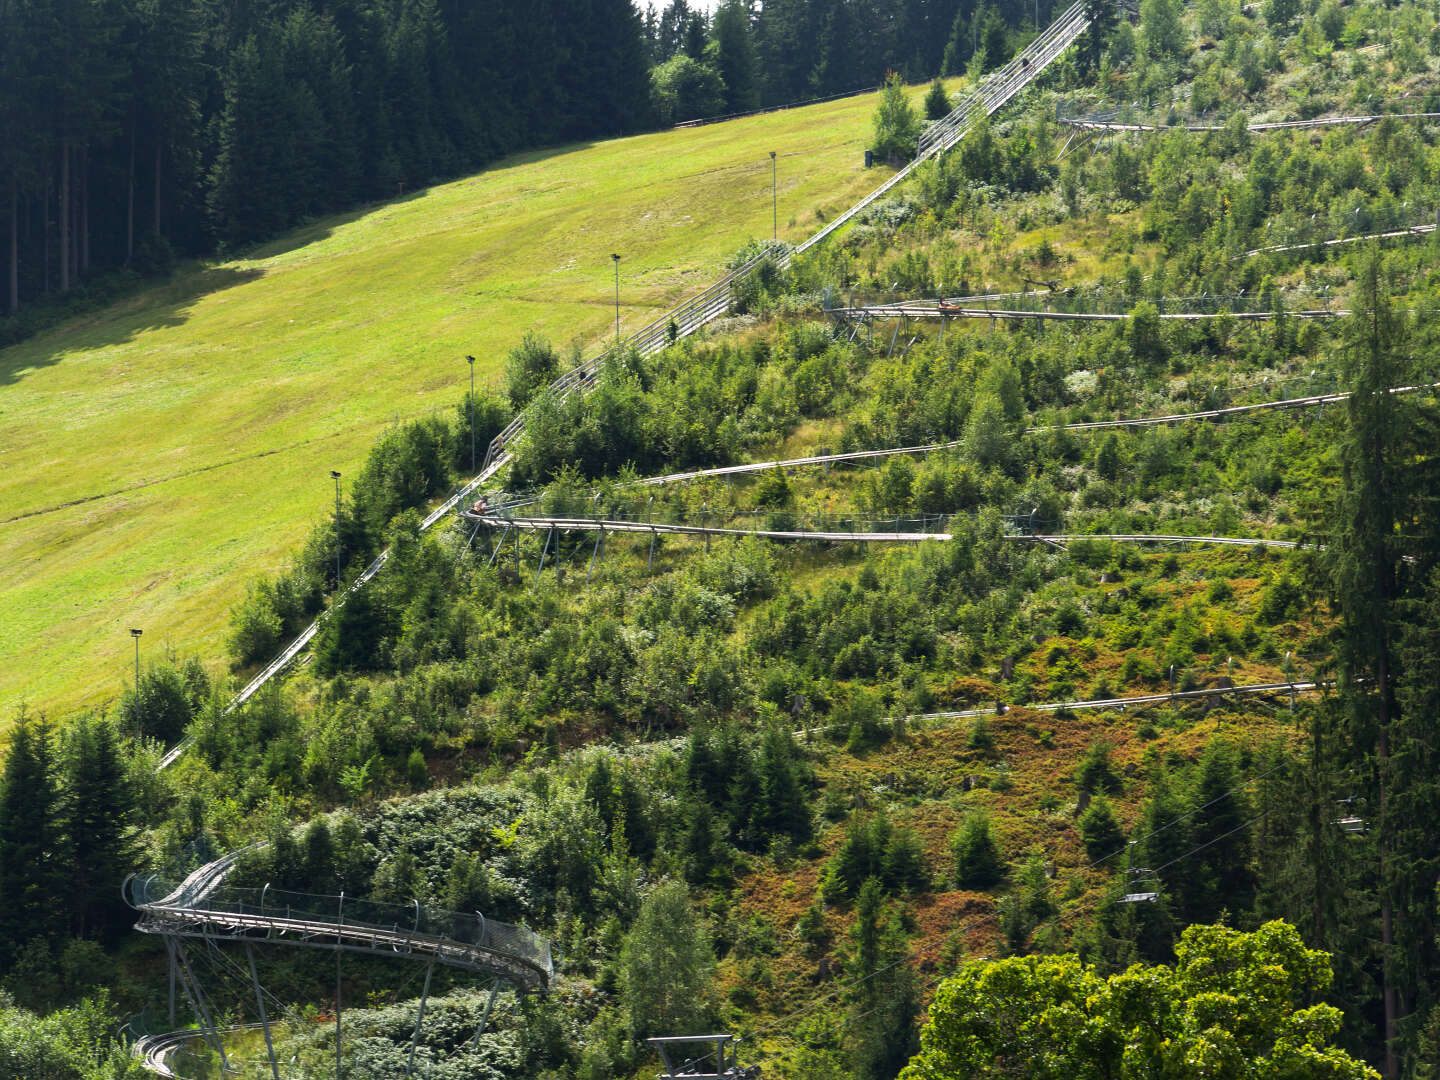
(96, 814)
(32, 863)
(666, 964)
(886, 998)
(1375, 564)
(734, 55)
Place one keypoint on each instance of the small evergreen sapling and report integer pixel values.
(937, 102)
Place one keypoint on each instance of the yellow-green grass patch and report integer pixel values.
(162, 452)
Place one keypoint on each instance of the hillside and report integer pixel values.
(1098, 625)
(160, 453)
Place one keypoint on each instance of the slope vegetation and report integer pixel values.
(161, 452)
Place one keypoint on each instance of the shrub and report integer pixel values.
(530, 366)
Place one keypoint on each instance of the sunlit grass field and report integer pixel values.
(159, 454)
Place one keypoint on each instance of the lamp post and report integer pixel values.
(471, 406)
(336, 477)
(774, 201)
(617, 300)
(134, 633)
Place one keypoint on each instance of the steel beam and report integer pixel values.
(419, 1016)
(264, 1020)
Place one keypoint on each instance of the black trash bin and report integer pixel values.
(869, 158)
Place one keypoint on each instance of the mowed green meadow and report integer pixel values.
(158, 455)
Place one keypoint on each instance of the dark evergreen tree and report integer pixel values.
(937, 102)
(1103, 837)
(97, 811)
(978, 862)
(1102, 14)
(734, 56)
(886, 999)
(1376, 558)
(1221, 874)
(33, 876)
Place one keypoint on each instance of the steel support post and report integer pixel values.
(419, 1016)
(543, 552)
(264, 1020)
(170, 959)
(338, 953)
(595, 554)
(197, 999)
(499, 547)
(650, 561)
(485, 1017)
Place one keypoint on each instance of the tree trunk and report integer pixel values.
(45, 238)
(1387, 911)
(64, 217)
(130, 198)
(84, 210)
(158, 230)
(14, 247)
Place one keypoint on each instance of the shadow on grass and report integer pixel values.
(116, 323)
(154, 306)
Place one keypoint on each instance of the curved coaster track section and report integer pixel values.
(908, 530)
(203, 906)
(1227, 413)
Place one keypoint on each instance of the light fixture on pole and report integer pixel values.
(774, 202)
(134, 633)
(617, 300)
(471, 407)
(336, 477)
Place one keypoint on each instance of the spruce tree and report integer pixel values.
(1221, 871)
(885, 1001)
(937, 102)
(734, 53)
(33, 869)
(978, 862)
(97, 812)
(1102, 835)
(1384, 509)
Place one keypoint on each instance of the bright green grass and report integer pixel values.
(157, 455)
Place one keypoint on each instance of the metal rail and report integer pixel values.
(1413, 230)
(1131, 702)
(1092, 124)
(648, 528)
(1309, 401)
(915, 310)
(202, 906)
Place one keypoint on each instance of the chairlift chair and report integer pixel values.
(1351, 824)
(1142, 885)
(716, 1063)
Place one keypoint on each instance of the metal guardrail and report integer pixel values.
(202, 906)
(1229, 412)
